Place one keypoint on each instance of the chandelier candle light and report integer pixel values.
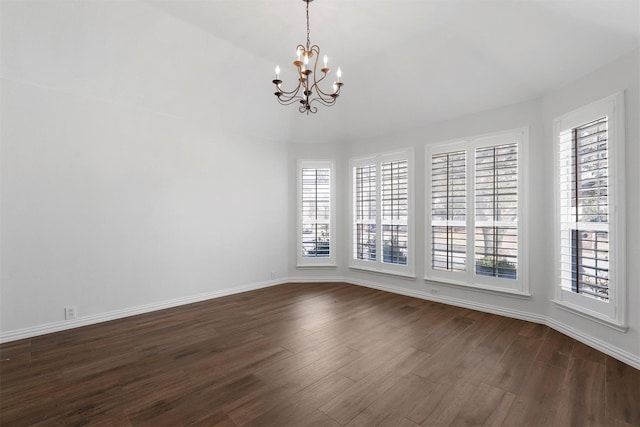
(308, 91)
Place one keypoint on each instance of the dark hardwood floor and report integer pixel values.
(314, 355)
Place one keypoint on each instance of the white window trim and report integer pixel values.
(377, 266)
(468, 279)
(613, 313)
(319, 262)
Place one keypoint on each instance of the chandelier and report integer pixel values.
(308, 91)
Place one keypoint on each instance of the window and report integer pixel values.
(475, 212)
(449, 211)
(381, 213)
(395, 211)
(315, 214)
(496, 211)
(365, 212)
(590, 170)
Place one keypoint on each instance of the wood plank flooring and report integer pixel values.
(326, 354)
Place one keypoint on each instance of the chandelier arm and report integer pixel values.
(315, 82)
(326, 97)
(324, 102)
(290, 100)
(301, 78)
(287, 96)
(316, 49)
(293, 92)
(322, 94)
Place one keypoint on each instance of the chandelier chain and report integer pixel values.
(308, 30)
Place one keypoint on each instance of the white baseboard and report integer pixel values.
(615, 352)
(132, 311)
(530, 317)
(323, 279)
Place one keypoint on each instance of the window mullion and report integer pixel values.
(471, 212)
(379, 213)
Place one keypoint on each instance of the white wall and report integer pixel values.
(133, 173)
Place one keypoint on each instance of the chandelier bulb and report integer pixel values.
(339, 74)
(277, 71)
(325, 61)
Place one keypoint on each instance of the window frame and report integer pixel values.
(301, 260)
(403, 270)
(468, 278)
(613, 312)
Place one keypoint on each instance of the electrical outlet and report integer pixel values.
(435, 291)
(70, 312)
(273, 275)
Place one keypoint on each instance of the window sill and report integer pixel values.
(384, 272)
(320, 266)
(481, 288)
(591, 315)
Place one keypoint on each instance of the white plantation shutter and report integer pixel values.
(448, 211)
(316, 212)
(365, 212)
(496, 211)
(382, 213)
(584, 209)
(476, 205)
(590, 206)
(395, 211)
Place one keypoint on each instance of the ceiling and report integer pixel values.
(408, 63)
